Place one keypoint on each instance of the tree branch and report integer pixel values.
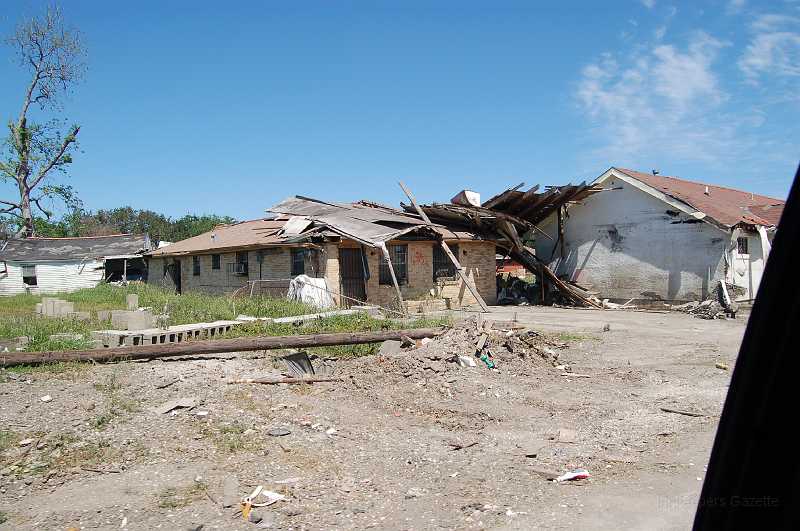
(68, 140)
(47, 213)
(9, 203)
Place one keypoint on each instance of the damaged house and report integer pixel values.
(54, 265)
(653, 237)
(365, 252)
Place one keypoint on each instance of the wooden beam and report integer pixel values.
(394, 277)
(448, 252)
(502, 196)
(244, 344)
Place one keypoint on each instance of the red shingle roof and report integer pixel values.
(725, 205)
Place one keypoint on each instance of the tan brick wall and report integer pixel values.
(155, 274)
(476, 257)
(329, 264)
(215, 281)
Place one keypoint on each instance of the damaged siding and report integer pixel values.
(626, 244)
(52, 276)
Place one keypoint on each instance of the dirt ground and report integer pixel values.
(405, 441)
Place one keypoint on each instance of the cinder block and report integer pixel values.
(133, 301)
(80, 316)
(67, 336)
(119, 319)
(96, 343)
(39, 308)
(103, 315)
(50, 307)
(63, 308)
(128, 320)
(141, 320)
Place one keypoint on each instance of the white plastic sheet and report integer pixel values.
(310, 290)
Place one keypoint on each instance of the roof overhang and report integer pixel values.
(675, 203)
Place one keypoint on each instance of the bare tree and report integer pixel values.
(34, 153)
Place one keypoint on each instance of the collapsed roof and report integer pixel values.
(534, 206)
(368, 223)
(302, 220)
(84, 248)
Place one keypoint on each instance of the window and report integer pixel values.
(241, 263)
(29, 274)
(298, 262)
(215, 261)
(196, 266)
(399, 257)
(741, 245)
(443, 267)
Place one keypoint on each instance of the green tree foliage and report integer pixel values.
(125, 220)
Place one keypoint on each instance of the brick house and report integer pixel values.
(262, 256)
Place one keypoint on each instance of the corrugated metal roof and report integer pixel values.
(724, 205)
(42, 249)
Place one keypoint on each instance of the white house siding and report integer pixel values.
(52, 277)
(746, 270)
(627, 244)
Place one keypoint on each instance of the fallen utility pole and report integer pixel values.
(276, 381)
(217, 346)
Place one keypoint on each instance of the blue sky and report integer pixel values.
(228, 107)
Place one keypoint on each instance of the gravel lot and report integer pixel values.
(405, 441)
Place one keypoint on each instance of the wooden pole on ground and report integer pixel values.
(448, 252)
(217, 346)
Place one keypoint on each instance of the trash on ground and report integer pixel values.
(578, 473)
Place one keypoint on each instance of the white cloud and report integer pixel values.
(774, 49)
(649, 4)
(665, 100)
(735, 6)
(660, 32)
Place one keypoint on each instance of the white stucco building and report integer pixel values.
(652, 237)
(56, 265)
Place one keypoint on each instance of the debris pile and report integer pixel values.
(718, 304)
(469, 345)
(512, 290)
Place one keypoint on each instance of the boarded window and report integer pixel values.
(196, 266)
(399, 257)
(443, 267)
(29, 275)
(215, 262)
(741, 245)
(298, 262)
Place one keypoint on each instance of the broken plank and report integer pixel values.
(277, 381)
(681, 412)
(244, 344)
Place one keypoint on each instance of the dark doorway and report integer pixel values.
(175, 273)
(351, 271)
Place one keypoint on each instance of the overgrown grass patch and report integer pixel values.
(177, 497)
(231, 438)
(7, 439)
(573, 337)
(61, 368)
(184, 309)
